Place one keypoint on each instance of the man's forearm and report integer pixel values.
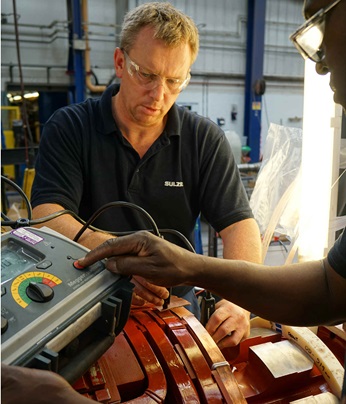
(69, 226)
(242, 241)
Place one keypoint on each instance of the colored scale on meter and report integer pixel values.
(21, 282)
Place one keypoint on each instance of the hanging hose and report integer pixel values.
(30, 152)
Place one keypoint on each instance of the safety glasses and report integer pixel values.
(150, 80)
(309, 37)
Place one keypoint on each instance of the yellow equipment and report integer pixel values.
(8, 115)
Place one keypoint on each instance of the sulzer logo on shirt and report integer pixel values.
(178, 184)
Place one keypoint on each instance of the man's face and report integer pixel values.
(148, 107)
(334, 45)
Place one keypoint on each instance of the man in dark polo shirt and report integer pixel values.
(135, 144)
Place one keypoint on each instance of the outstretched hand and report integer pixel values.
(157, 261)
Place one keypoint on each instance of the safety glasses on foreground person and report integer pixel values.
(309, 37)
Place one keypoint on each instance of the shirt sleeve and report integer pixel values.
(58, 174)
(223, 197)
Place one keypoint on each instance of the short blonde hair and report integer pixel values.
(170, 25)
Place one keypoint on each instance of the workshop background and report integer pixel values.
(241, 43)
(250, 80)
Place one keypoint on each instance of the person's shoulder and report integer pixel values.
(189, 117)
(70, 122)
(75, 112)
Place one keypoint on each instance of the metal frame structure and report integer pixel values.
(254, 76)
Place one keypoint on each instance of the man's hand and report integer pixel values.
(144, 292)
(21, 385)
(229, 324)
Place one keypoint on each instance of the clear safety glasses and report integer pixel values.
(151, 80)
(309, 37)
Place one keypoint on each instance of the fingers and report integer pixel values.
(158, 261)
(231, 340)
(137, 300)
(154, 268)
(133, 244)
(227, 333)
(131, 265)
(229, 324)
(159, 291)
(150, 293)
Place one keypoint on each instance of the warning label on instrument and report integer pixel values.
(27, 235)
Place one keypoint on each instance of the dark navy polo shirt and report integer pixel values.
(84, 162)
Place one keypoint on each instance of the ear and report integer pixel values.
(119, 62)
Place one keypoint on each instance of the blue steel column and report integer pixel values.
(254, 71)
(78, 59)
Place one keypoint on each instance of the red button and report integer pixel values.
(77, 265)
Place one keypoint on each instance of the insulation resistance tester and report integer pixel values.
(53, 315)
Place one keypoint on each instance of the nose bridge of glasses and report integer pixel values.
(159, 80)
(149, 78)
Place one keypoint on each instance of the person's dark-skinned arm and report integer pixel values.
(309, 293)
(69, 227)
(230, 323)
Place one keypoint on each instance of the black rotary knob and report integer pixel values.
(39, 292)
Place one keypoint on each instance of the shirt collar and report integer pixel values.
(107, 124)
